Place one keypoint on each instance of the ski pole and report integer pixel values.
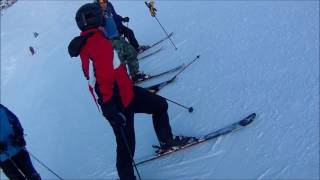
(153, 14)
(185, 67)
(14, 164)
(45, 166)
(166, 33)
(190, 109)
(129, 151)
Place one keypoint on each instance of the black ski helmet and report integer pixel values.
(89, 16)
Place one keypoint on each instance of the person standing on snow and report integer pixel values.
(122, 29)
(126, 52)
(14, 158)
(115, 93)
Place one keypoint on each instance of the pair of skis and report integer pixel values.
(157, 87)
(198, 140)
(179, 69)
(161, 74)
(158, 42)
(143, 55)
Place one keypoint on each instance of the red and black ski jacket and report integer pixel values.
(102, 68)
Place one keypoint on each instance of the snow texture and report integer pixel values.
(256, 56)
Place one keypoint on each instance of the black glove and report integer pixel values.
(3, 147)
(18, 140)
(118, 120)
(125, 19)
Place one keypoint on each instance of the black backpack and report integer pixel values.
(77, 43)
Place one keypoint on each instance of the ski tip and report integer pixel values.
(198, 56)
(248, 119)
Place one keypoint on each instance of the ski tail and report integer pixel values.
(145, 54)
(172, 70)
(161, 40)
(157, 87)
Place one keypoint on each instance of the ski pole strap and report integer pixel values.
(151, 7)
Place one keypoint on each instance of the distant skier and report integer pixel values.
(14, 158)
(31, 49)
(126, 52)
(122, 29)
(114, 91)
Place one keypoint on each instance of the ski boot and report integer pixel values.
(175, 143)
(139, 76)
(142, 48)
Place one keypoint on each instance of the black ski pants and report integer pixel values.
(19, 167)
(143, 102)
(129, 34)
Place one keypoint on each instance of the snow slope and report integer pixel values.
(256, 56)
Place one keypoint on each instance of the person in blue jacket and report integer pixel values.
(14, 158)
(122, 29)
(126, 52)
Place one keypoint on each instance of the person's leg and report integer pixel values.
(147, 102)
(129, 34)
(131, 57)
(10, 169)
(24, 163)
(124, 161)
(127, 54)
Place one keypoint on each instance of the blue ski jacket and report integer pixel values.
(113, 22)
(117, 18)
(111, 30)
(9, 126)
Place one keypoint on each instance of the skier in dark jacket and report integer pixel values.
(14, 158)
(117, 97)
(122, 29)
(126, 52)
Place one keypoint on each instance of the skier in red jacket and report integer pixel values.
(114, 91)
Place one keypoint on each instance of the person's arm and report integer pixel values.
(113, 11)
(14, 121)
(116, 16)
(17, 138)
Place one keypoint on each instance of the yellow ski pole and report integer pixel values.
(153, 11)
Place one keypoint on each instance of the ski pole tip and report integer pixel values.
(190, 109)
